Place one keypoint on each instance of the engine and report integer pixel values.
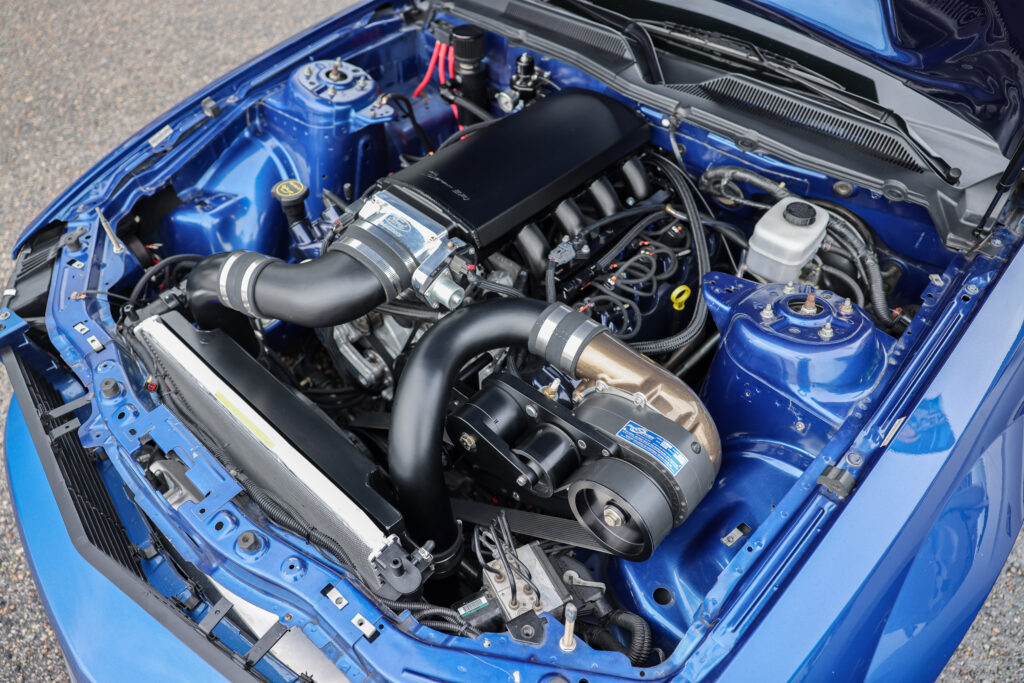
(529, 356)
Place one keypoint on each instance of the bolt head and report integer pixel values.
(5, 315)
(531, 411)
(971, 289)
(613, 516)
(843, 188)
(467, 441)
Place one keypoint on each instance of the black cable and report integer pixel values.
(404, 105)
(494, 287)
(858, 294)
(410, 311)
(640, 642)
(156, 269)
(470, 106)
(103, 292)
(466, 130)
(693, 329)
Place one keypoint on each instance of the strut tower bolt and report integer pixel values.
(613, 516)
(810, 306)
(826, 332)
(335, 74)
(767, 313)
(789, 288)
(846, 308)
(568, 640)
(248, 542)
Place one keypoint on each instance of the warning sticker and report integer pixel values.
(654, 445)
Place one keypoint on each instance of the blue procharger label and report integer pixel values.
(654, 445)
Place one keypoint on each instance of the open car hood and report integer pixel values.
(965, 54)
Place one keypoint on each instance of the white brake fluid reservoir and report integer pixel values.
(785, 239)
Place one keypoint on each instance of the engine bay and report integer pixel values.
(515, 352)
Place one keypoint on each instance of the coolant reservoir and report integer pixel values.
(785, 239)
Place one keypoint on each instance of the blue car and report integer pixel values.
(568, 340)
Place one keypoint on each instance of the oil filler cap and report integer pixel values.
(292, 194)
(800, 213)
(290, 191)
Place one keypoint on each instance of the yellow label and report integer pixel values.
(245, 420)
(289, 188)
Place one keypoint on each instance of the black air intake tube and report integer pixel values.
(421, 404)
(475, 192)
(564, 337)
(326, 291)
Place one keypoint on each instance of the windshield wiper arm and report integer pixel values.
(633, 31)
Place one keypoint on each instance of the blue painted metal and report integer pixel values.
(965, 55)
(78, 598)
(924, 537)
(719, 594)
(772, 374)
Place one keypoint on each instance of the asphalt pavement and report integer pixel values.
(75, 81)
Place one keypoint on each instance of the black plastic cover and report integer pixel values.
(310, 431)
(496, 179)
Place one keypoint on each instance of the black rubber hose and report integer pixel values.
(640, 643)
(421, 404)
(329, 290)
(695, 327)
(851, 284)
(158, 268)
(472, 107)
(600, 638)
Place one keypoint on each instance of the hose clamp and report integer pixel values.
(404, 247)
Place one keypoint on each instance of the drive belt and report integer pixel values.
(534, 524)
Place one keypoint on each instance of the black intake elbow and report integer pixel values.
(326, 291)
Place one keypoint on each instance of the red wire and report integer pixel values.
(449, 52)
(430, 71)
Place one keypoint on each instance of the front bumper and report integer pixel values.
(110, 624)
